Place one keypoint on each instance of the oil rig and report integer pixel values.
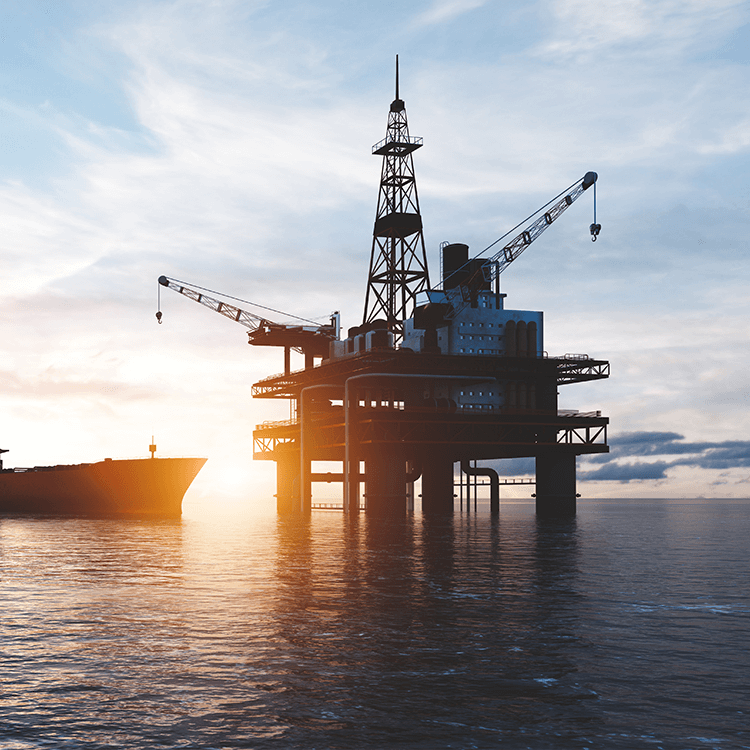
(434, 376)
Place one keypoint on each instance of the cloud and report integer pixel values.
(652, 444)
(616, 472)
(56, 385)
(445, 10)
(662, 26)
(728, 454)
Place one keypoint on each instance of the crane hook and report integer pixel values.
(158, 317)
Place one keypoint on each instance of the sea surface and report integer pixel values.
(626, 627)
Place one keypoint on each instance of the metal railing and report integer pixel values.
(408, 140)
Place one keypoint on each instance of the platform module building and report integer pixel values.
(435, 378)
(484, 328)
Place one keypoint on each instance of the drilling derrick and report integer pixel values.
(398, 261)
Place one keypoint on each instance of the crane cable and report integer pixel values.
(229, 296)
(595, 228)
(529, 217)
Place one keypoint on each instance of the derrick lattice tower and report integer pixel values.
(398, 261)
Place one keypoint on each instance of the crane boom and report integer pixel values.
(521, 241)
(311, 340)
(243, 317)
(460, 296)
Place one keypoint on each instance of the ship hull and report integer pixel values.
(138, 487)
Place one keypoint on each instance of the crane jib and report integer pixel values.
(263, 332)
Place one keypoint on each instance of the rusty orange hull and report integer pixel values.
(142, 487)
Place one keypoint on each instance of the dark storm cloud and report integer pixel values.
(728, 454)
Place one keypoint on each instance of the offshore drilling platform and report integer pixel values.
(434, 376)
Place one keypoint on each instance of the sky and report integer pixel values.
(227, 143)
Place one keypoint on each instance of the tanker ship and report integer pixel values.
(131, 487)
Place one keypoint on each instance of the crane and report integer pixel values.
(311, 340)
(486, 271)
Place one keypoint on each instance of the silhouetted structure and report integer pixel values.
(422, 384)
(420, 387)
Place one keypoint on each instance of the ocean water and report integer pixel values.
(626, 627)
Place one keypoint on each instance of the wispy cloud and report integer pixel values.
(446, 10)
(656, 26)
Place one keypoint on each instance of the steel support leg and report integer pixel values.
(385, 481)
(287, 482)
(556, 485)
(437, 484)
